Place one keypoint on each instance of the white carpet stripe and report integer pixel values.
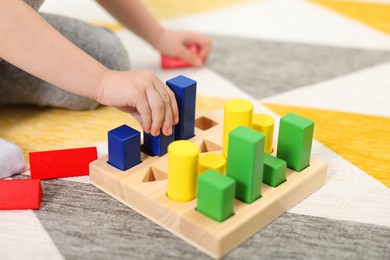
(349, 193)
(23, 237)
(365, 92)
(291, 21)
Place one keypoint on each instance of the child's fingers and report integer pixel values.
(134, 113)
(157, 109)
(186, 55)
(170, 107)
(144, 110)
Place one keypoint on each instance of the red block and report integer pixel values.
(20, 194)
(168, 62)
(61, 163)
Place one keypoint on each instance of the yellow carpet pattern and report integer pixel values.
(361, 139)
(166, 9)
(376, 15)
(41, 129)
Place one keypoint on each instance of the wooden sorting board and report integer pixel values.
(143, 188)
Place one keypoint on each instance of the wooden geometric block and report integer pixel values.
(295, 140)
(124, 147)
(133, 188)
(183, 158)
(216, 194)
(237, 112)
(20, 194)
(213, 161)
(274, 170)
(245, 162)
(157, 145)
(185, 94)
(265, 124)
(168, 62)
(61, 163)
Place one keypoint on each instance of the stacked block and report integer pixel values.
(183, 157)
(245, 162)
(20, 194)
(124, 147)
(264, 124)
(157, 145)
(61, 163)
(212, 161)
(237, 112)
(185, 93)
(274, 170)
(295, 141)
(216, 195)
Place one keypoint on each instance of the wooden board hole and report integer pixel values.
(205, 123)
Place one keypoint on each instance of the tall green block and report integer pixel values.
(295, 140)
(245, 162)
(274, 170)
(216, 195)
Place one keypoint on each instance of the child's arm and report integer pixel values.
(133, 15)
(30, 43)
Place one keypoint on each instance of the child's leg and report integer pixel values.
(19, 87)
(11, 159)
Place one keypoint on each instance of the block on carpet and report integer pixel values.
(61, 163)
(20, 194)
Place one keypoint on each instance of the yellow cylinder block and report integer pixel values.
(264, 124)
(237, 112)
(212, 161)
(183, 157)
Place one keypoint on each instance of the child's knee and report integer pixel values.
(99, 42)
(112, 52)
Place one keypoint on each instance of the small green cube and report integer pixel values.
(274, 170)
(216, 194)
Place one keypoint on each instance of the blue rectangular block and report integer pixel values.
(124, 147)
(157, 145)
(185, 93)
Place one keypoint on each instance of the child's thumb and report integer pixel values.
(189, 56)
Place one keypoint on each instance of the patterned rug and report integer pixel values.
(325, 60)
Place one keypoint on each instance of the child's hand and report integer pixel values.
(174, 44)
(144, 96)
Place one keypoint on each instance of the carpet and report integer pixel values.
(325, 60)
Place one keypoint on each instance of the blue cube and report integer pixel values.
(124, 147)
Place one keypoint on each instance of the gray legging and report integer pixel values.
(19, 87)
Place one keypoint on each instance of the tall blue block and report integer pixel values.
(157, 145)
(124, 147)
(185, 93)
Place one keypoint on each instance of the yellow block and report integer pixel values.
(212, 161)
(183, 157)
(265, 124)
(361, 139)
(376, 15)
(237, 112)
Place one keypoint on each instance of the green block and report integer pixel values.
(274, 170)
(216, 195)
(245, 162)
(295, 140)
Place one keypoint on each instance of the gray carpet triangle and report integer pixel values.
(85, 223)
(265, 68)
